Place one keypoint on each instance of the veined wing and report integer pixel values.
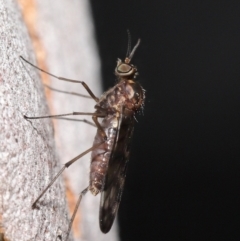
(115, 176)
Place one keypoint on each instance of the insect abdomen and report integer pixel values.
(100, 156)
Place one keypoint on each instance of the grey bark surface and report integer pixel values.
(28, 159)
(67, 32)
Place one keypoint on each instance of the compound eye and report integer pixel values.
(124, 69)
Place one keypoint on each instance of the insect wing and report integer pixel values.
(115, 176)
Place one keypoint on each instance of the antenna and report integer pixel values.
(129, 43)
(134, 49)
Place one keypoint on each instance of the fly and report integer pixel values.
(117, 108)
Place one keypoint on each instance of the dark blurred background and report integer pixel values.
(183, 181)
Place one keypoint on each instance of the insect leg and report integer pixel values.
(83, 192)
(72, 113)
(65, 79)
(95, 120)
(71, 93)
(66, 92)
(66, 165)
(80, 120)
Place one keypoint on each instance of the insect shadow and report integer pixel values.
(117, 108)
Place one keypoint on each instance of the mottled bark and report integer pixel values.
(28, 160)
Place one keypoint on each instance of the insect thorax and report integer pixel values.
(127, 94)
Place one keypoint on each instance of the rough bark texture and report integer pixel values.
(28, 159)
(67, 32)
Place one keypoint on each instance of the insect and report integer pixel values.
(117, 108)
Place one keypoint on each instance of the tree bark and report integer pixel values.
(28, 157)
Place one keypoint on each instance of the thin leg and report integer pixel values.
(73, 113)
(95, 120)
(66, 92)
(65, 79)
(75, 211)
(66, 165)
(71, 119)
(100, 109)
